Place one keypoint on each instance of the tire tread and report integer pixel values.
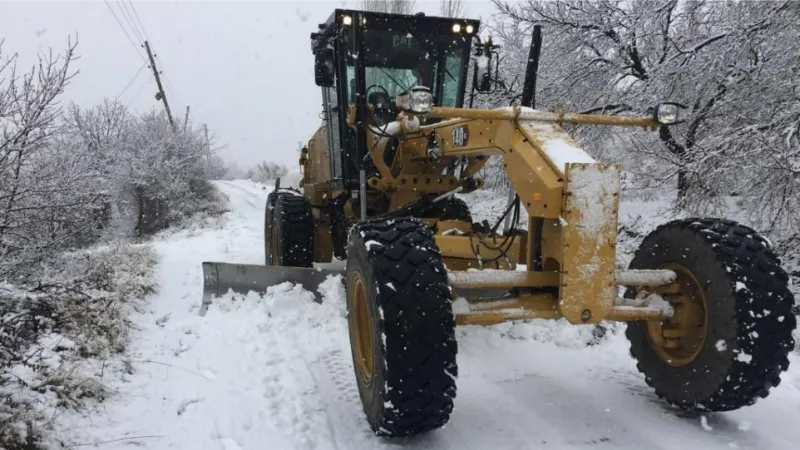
(749, 257)
(418, 323)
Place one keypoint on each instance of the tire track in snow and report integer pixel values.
(251, 197)
(346, 420)
(575, 414)
(290, 393)
(722, 427)
(246, 227)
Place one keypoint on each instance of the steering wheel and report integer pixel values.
(366, 93)
(383, 114)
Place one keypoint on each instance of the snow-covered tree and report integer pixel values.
(35, 179)
(70, 178)
(390, 6)
(217, 169)
(452, 8)
(730, 63)
(267, 171)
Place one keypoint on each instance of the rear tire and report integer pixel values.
(268, 212)
(402, 327)
(450, 209)
(290, 237)
(748, 316)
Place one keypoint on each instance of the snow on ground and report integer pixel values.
(275, 373)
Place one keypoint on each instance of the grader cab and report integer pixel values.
(706, 302)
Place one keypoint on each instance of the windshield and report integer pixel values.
(397, 61)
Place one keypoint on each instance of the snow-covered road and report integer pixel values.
(275, 373)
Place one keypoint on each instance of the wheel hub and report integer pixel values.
(679, 339)
(361, 332)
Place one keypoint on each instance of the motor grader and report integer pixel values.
(706, 303)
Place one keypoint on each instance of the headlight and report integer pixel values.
(669, 113)
(418, 99)
(347, 20)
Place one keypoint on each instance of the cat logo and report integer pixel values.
(460, 136)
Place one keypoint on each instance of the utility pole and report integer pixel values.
(208, 150)
(186, 119)
(160, 95)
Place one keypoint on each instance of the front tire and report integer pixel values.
(402, 327)
(732, 329)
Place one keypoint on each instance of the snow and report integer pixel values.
(276, 372)
(370, 244)
(460, 306)
(555, 144)
(655, 301)
(704, 423)
(476, 278)
(593, 191)
(645, 277)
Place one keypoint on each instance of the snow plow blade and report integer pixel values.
(219, 277)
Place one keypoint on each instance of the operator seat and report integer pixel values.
(383, 113)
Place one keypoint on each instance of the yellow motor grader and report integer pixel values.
(706, 302)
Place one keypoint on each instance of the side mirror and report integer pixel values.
(323, 67)
(482, 75)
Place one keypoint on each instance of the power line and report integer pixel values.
(124, 31)
(169, 84)
(136, 14)
(138, 93)
(129, 14)
(131, 82)
(129, 19)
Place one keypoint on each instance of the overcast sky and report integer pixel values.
(245, 68)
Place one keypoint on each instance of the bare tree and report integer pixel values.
(452, 8)
(390, 6)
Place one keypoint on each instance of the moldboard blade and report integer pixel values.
(219, 277)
